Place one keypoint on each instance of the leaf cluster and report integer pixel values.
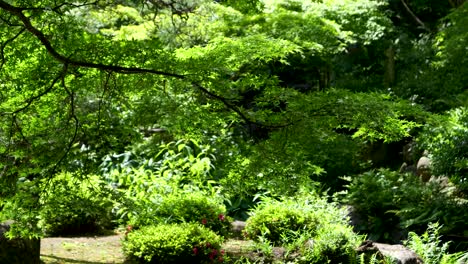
(173, 243)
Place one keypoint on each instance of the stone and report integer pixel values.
(409, 153)
(423, 168)
(18, 250)
(399, 253)
(356, 220)
(237, 228)
(405, 168)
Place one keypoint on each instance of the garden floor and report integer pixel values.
(82, 250)
(106, 249)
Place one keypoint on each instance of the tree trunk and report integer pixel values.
(389, 75)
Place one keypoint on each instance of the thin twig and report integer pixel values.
(414, 16)
(73, 116)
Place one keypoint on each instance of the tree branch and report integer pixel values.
(408, 9)
(17, 11)
(74, 117)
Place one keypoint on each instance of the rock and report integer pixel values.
(18, 250)
(409, 153)
(237, 228)
(279, 252)
(423, 168)
(405, 168)
(399, 253)
(356, 220)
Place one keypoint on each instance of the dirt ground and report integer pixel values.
(82, 250)
(107, 249)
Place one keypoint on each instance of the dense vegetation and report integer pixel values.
(181, 115)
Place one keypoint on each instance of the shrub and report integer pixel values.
(388, 201)
(372, 196)
(195, 207)
(179, 206)
(310, 226)
(446, 140)
(273, 220)
(334, 243)
(173, 243)
(71, 206)
(431, 249)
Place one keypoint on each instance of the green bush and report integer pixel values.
(372, 196)
(388, 202)
(71, 206)
(195, 207)
(446, 140)
(334, 243)
(431, 249)
(173, 243)
(273, 220)
(179, 206)
(308, 226)
(169, 183)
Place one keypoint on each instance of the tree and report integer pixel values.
(86, 79)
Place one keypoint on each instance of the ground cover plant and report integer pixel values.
(311, 229)
(391, 202)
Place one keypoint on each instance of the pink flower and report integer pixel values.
(203, 221)
(213, 254)
(195, 251)
(221, 217)
(128, 229)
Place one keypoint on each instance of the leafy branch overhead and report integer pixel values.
(69, 61)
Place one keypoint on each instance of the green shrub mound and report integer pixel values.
(173, 243)
(309, 227)
(196, 208)
(72, 206)
(272, 220)
(334, 243)
(388, 201)
(180, 207)
(445, 137)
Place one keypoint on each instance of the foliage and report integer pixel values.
(273, 220)
(445, 137)
(152, 199)
(430, 247)
(195, 207)
(433, 66)
(334, 243)
(167, 183)
(178, 162)
(70, 205)
(306, 224)
(266, 97)
(388, 201)
(22, 208)
(173, 243)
